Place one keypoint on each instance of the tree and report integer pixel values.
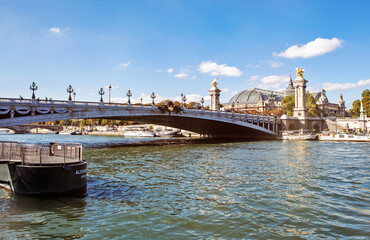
(366, 101)
(355, 110)
(288, 104)
(192, 105)
(312, 109)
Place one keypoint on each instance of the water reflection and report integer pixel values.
(250, 190)
(35, 217)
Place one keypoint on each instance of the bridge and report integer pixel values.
(15, 112)
(27, 127)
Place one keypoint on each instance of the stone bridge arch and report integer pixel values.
(211, 123)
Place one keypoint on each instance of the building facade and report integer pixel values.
(260, 101)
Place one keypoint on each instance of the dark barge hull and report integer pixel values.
(58, 179)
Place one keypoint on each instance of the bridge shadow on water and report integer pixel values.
(176, 141)
(114, 190)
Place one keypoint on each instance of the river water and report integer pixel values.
(243, 190)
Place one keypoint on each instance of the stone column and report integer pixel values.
(300, 109)
(362, 119)
(342, 106)
(214, 92)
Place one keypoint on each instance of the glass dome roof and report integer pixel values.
(254, 95)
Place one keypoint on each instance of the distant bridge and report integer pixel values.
(15, 112)
(27, 127)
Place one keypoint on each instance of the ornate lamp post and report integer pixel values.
(141, 101)
(202, 101)
(153, 96)
(129, 94)
(183, 99)
(70, 91)
(101, 93)
(74, 96)
(33, 88)
(110, 88)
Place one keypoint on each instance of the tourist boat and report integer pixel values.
(67, 132)
(55, 169)
(344, 137)
(6, 131)
(298, 135)
(42, 131)
(168, 132)
(138, 132)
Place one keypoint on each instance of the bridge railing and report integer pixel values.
(70, 103)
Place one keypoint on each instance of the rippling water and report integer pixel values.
(244, 190)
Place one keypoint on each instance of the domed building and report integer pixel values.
(262, 101)
(256, 100)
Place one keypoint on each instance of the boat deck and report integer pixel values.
(56, 153)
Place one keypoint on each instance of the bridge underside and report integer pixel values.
(202, 126)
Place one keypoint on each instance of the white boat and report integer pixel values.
(344, 137)
(168, 132)
(6, 131)
(42, 131)
(138, 132)
(68, 132)
(298, 135)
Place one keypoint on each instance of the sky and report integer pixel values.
(171, 47)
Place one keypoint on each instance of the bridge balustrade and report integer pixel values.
(80, 109)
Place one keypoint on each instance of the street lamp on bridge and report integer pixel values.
(33, 88)
(153, 96)
(74, 96)
(101, 93)
(70, 91)
(129, 94)
(183, 98)
(202, 101)
(110, 88)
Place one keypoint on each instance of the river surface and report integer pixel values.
(243, 190)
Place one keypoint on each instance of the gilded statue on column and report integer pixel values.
(300, 71)
(214, 83)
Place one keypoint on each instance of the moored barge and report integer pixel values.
(55, 169)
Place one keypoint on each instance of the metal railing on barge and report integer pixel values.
(30, 154)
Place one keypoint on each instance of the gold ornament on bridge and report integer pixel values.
(300, 71)
(214, 83)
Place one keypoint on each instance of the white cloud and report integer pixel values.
(125, 65)
(273, 81)
(55, 30)
(344, 86)
(312, 89)
(318, 47)
(225, 90)
(170, 70)
(235, 92)
(147, 98)
(219, 70)
(158, 70)
(252, 66)
(185, 74)
(253, 78)
(275, 64)
(182, 75)
(58, 30)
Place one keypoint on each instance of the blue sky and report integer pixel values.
(173, 47)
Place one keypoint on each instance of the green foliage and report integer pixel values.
(366, 101)
(312, 109)
(355, 110)
(288, 104)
